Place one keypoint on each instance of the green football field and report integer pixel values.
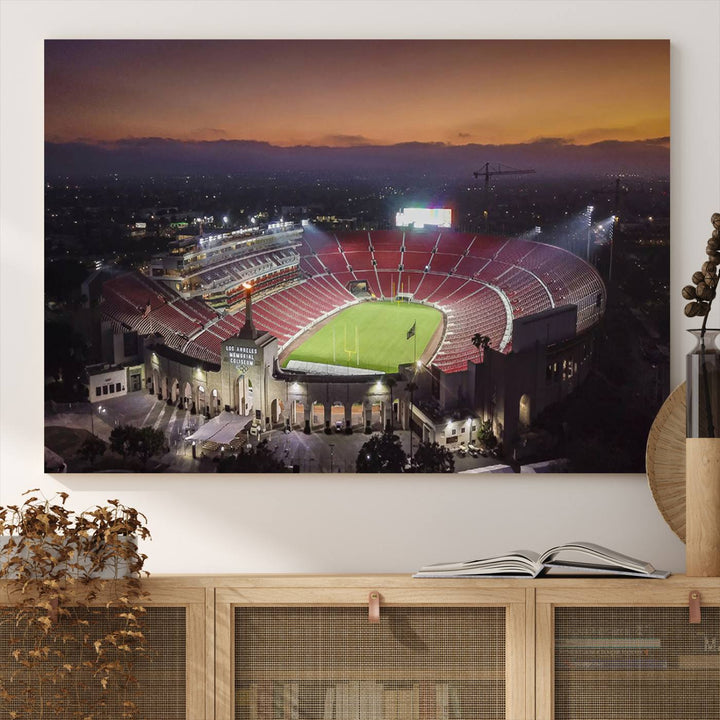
(371, 335)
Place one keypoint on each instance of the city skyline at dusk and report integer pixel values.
(347, 93)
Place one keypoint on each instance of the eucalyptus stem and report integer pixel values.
(701, 295)
(706, 382)
(704, 370)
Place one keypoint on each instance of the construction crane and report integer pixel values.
(499, 169)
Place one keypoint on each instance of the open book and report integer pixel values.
(575, 558)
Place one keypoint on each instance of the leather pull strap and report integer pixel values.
(374, 607)
(694, 604)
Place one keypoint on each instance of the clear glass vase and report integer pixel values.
(703, 386)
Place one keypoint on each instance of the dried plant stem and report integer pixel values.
(705, 378)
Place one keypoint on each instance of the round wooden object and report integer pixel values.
(665, 460)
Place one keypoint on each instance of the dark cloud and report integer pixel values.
(548, 156)
(213, 132)
(607, 132)
(549, 141)
(346, 140)
(664, 141)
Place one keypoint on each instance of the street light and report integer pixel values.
(101, 411)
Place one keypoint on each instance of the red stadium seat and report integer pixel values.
(493, 281)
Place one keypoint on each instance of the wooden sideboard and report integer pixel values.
(264, 647)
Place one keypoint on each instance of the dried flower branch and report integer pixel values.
(73, 614)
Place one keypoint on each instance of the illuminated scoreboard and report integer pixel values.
(420, 217)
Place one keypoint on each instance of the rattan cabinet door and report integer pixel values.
(614, 653)
(155, 681)
(623, 663)
(328, 662)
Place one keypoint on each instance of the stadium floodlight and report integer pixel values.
(225, 219)
(419, 363)
(247, 285)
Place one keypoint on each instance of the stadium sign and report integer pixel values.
(242, 354)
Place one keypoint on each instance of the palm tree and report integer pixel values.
(482, 343)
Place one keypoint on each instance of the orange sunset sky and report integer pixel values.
(342, 93)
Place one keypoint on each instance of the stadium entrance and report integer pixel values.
(244, 400)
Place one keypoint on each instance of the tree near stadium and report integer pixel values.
(143, 443)
(92, 448)
(431, 457)
(486, 436)
(381, 453)
(256, 459)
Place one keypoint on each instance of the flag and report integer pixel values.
(411, 331)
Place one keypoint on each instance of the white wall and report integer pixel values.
(345, 524)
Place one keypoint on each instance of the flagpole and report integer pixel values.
(415, 342)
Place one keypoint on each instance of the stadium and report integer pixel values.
(293, 326)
